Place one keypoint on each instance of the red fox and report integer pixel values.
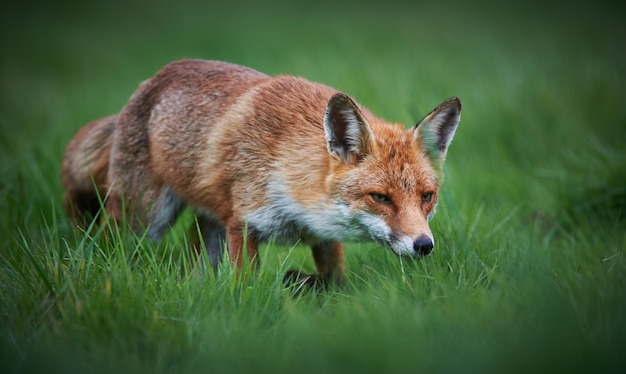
(259, 159)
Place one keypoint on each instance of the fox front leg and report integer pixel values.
(241, 241)
(330, 263)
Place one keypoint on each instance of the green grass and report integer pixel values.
(529, 273)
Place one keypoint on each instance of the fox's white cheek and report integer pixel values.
(376, 226)
(403, 246)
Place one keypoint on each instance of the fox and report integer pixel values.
(259, 159)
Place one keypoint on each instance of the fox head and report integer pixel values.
(384, 178)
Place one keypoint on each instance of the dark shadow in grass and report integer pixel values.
(299, 283)
(595, 188)
(589, 186)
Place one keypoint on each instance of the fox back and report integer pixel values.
(262, 158)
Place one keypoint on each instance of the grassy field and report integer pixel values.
(529, 273)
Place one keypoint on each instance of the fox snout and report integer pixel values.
(410, 247)
(423, 245)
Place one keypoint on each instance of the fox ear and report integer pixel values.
(435, 132)
(348, 135)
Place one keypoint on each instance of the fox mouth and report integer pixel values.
(401, 244)
(398, 249)
(412, 255)
(411, 249)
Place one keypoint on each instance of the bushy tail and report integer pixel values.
(85, 168)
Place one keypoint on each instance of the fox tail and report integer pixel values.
(85, 168)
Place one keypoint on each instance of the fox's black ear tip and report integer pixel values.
(453, 102)
(339, 98)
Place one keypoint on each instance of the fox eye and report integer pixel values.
(380, 198)
(427, 197)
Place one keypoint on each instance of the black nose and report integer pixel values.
(423, 245)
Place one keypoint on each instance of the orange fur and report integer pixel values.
(280, 158)
(85, 169)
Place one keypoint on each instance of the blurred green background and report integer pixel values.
(530, 269)
(524, 72)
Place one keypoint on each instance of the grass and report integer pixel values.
(529, 273)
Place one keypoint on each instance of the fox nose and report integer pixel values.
(423, 245)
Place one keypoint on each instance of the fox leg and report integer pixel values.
(235, 233)
(213, 235)
(164, 213)
(330, 263)
(120, 211)
(113, 208)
